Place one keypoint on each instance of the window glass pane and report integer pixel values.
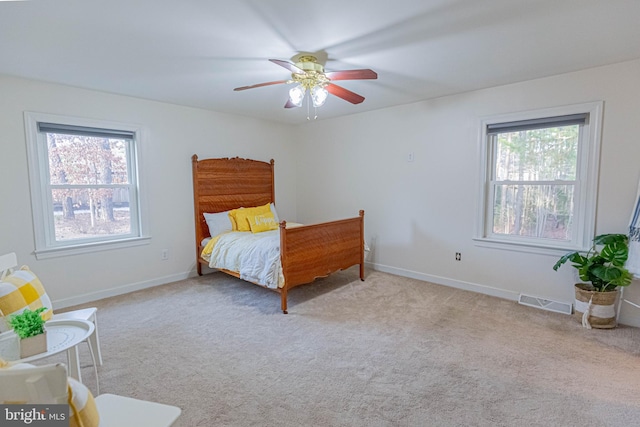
(90, 213)
(537, 154)
(86, 160)
(543, 211)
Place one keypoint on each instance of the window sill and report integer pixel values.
(527, 247)
(91, 247)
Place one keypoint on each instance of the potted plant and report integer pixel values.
(602, 267)
(29, 326)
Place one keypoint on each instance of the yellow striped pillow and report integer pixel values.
(84, 412)
(22, 289)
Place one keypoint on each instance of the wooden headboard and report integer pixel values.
(228, 183)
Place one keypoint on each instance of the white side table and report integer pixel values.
(65, 335)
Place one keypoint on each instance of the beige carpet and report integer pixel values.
(389, 351)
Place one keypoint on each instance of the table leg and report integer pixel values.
(73, 360)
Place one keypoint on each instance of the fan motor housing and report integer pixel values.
(309, 63)
(313, 73)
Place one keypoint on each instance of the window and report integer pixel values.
(84, 184)
(540, 177)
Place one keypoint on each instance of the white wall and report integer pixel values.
(418, 214)
(175, 134)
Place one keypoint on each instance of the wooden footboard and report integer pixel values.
(312, 251)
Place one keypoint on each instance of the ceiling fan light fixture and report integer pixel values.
(318, 95)
(296, 95)
(307, 74)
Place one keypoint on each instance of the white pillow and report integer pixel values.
(218, 223)
(273, 211)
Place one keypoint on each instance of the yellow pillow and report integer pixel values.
(264, 222)
(22, 289)
(84, 412)
(232, 218)
(242, 215)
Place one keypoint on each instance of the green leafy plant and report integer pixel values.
(28, 323)
(603, 268)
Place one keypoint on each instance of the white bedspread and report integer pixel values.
(255, 256)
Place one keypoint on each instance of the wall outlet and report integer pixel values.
(165, 254)
(410, 157)
(458, 256)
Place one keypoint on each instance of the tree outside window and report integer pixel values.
(88, 178)
(539, 180)
(84, 181)
(534, 182)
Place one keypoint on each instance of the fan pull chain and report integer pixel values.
(315, 110)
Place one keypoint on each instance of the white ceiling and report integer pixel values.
(194, 52)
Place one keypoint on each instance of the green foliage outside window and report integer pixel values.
(534, 182)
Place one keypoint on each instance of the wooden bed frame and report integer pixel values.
(307, 252)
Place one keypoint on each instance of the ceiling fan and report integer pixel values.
(310, 76)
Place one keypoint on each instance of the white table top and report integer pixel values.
(61, 336)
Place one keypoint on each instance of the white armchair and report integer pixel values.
(49, 384)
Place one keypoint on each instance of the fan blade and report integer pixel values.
(343, 93)
(352, 75)
(260, 85)
(288, 65)
(290, 104)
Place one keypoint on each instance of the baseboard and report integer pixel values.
(459, 284)
(468, 286)
(626, 317)
(125, 289)
(629, 315)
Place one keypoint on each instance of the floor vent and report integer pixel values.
(545, 304)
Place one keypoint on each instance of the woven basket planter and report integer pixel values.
(600, 305)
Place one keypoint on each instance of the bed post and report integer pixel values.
(283, 263)
(283, 299)
(273, 183)
(361, 213)
(196, 211)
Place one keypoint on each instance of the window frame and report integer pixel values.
(586, 189)
(46, 245)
